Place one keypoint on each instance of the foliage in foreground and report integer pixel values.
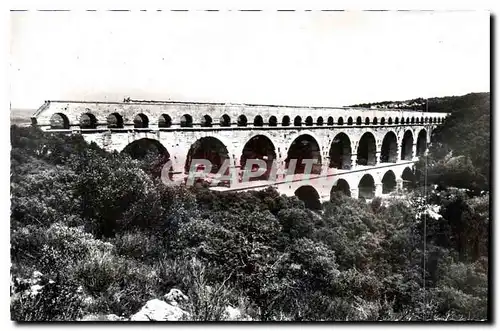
(92, 232)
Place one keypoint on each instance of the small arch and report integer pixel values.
(309, 196)
(417, 120)
(389, 121)
(341, 186)
(340, 121)
(422, 119)
(366, 187)
(59, 121)
(389, 152)
(406, 146)
(349, 121)
(164, 121)
(242, 120)
(141, 121)
(388, 182)
(273, 121)
(407, 120)
(427, 120)
(319, 121)
(329, 121)
(367, 121)
(412, 120)
(258, 121)
(396, 120)
(285, 121)
(375, 121)
(358, 120)
(409, 180)
(206, 121)
(367, 148)
(297, 121)
(309, 121)
(88, 121)
(402, 120)
(225, 120)
(115, 121)
(382, 121)
(340, 152)
(186, 121)
(435, 120)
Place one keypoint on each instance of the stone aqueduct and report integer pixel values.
(363, 152)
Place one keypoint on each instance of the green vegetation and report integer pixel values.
(97, 232)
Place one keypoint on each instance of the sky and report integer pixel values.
(290, 58)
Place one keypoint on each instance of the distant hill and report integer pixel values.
(436, 104)
(20, 116)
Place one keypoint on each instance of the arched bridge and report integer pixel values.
(362, 152)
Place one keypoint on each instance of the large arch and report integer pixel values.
(151, 150)
(367, 150)
(88, 121)
(208, 148)
(366, 187)
(59, 121)
(340, 152)
(408, 177)
(309, 196)
(262, 148)
(141, 121)
(341, 186)
(421, 142)
(389, 152)
(407, 146)
(302, 148)
(388, 182)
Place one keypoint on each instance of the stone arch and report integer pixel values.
(349, 121)
(242, 120)
(407, 120)
(366, 187)
(367, 121)
(388, 182)
(273, 121)
(421, 142)
(258, 121)
(389, 152)
(402, 120)
(340, 152)
(141, 121)
(285, 121)
(341, 186)
(208, 148)
(382, 121)
(115, 121)
(304, 147)
(407, 146)
(59, 121)
(367, 150)
(206, 121)
(375, 121)
(340, 121)
(329, 121)
(309, 121)
(164, 121)
(359, 120)
(259, 147)
(297, 121)
(427, 120)
(412, 120)
(408, 177)
(88, 121)
(151, 149)
(389, 121)
(309, 196)
(319, 121)
(186, 121)
(225, 120)
(396, 120)
(422, 120)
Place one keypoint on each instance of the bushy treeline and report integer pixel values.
(97, 232)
